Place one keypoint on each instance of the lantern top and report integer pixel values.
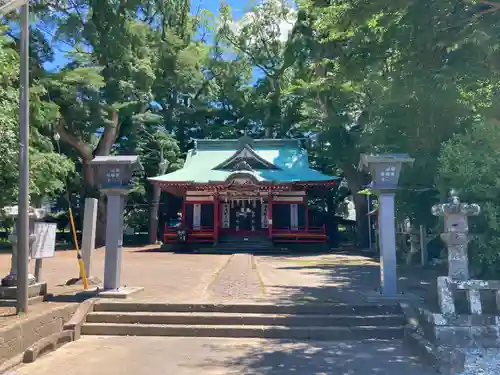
(455, 206)
(118, 159)
(367, 159)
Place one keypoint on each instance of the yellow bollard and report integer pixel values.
(78, 254)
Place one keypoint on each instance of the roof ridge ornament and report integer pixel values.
(242, 165)
(246, 140)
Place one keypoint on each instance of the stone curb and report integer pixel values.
(70, 332)
(11, 363)
(47, 344)
(78, 318)
(444, 360)
(422, 348)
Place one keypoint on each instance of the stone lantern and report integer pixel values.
(385, 170)
(114, 178)
(13, 212)
(456, 234)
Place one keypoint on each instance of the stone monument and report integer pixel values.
(385, 170)
(9, 282)
(12, 212)
(460, 339)
(456, 234)
(114, 177)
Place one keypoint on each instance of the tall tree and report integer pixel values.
(261, 36)
(48, 170)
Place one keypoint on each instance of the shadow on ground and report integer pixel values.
(339, 278)
(280, 357)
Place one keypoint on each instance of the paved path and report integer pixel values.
(168, 277)
(217, 356)
(237, 280)
(195, 278)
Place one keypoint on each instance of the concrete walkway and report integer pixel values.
(195, 278)
(217, 356)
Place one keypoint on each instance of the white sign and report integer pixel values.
(7, 6)
(45, 242)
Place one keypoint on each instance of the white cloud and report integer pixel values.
(285, 24)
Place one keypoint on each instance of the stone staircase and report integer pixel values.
(323, 322)
(244, 244)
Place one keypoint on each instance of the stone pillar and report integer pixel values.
(88, 236)
(114, 177)
(114, 241)
(456, 234)
(387, 228)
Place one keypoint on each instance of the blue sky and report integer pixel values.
(239, 7)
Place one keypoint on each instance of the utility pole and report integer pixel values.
(22, 228)
(24, 177)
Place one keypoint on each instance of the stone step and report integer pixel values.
(242, 250)
(259, 245)
(244, 246)
(321, 309)
(205, 319)
(270, 332)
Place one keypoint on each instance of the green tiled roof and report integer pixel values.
(287, 155)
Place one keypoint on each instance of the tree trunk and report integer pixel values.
(355, 183)
(153, 214)
(108, 137)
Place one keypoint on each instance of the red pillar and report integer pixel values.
(183, 218)
(306, 206)
(270, 216)
(216, 218)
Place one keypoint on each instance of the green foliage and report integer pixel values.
(48, 170)
(146, 77)
(469, 163)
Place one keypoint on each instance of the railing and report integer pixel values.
(197, 234)
(313, 234)
(299, 234)
(472, 288)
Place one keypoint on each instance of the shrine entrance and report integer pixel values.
(245, 216)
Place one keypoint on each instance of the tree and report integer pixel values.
(109, 79)
(377, 78)
(48, 170)
(261, 38)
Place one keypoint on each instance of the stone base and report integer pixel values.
(481, 361)
(92, 280)
(122, 292)
(448, 360)
(377, 297)
(13, 302)
(34, 290)
(11, 280)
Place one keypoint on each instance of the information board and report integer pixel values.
(45, 242)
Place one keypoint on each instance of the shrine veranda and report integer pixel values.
(245, 187)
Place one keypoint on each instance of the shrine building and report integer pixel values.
(245, 188)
